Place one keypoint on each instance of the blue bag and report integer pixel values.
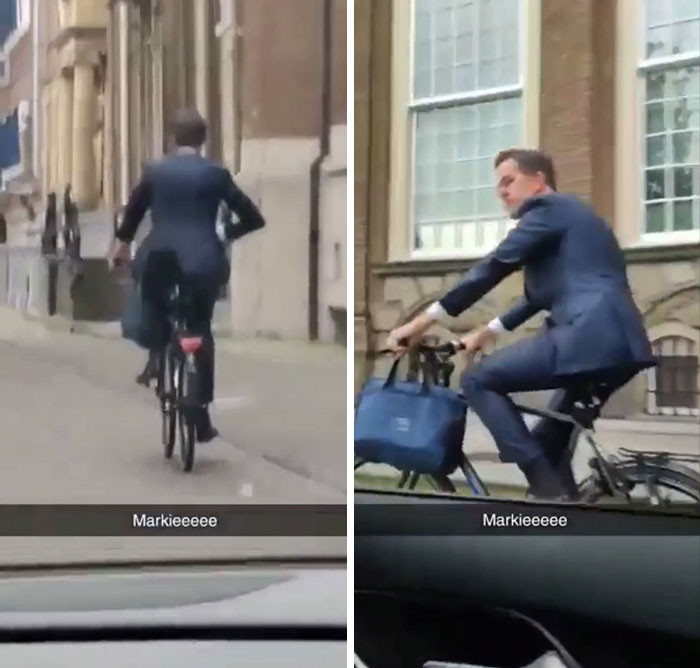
(142, 324)
(413, 426)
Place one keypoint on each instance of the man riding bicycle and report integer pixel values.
(184, 192)
(574, 268)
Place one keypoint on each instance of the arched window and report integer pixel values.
(674, 385)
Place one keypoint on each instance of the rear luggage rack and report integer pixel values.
(658, 454)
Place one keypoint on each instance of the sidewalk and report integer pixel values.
(14, 323)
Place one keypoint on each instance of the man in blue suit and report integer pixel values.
(183, 192)
(574, 269)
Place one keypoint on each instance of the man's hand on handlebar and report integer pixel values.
(478, 340)
(119, 254)
(400, 340)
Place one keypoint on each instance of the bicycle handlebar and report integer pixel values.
(449, 348)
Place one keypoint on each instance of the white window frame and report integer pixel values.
(5, 76)
(402, 224)
(226, 14)
(23, 12)
(644, 66)
(658, 334)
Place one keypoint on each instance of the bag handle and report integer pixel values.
(428, 373)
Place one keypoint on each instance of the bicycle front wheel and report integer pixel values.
(185, 416)
(650, 483)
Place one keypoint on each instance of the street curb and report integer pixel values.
(225, 339)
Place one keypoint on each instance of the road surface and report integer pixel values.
(77, 429)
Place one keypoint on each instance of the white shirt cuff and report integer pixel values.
(435, 311)
(496, 326)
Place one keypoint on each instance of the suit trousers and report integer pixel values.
(527, 366)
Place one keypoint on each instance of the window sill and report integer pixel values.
(668, 239)
(424, 267)
(664, 247)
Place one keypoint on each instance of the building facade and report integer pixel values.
(609, 88)
(269, 76)
(275, 100)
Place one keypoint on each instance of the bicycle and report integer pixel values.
(178, 377)
(613, 477)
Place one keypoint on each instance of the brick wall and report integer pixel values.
(577, 96)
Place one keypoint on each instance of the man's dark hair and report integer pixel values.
(189, 128)
(530, 161)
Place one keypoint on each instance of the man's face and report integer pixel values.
(514, 187)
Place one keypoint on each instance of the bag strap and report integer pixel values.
(429, 373)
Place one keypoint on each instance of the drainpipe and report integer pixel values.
(35, 91)
(123, 32)
(324, 138)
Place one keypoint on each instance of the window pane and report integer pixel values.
(464, 78)
(485, 172)
(685, 37)
(488, 44)
(655, 184)
(683, 182)
(486, 202)
(443, 23)
(446, 35)
(656, 11)
(444, 54)
(466, 203)
(443, 81)
(488, 114)
(686, 147)
(655, 218)
(656, 82)
(680, 113)
(465, 173)
(465, 48)
(684, 9)
(656, 150)
(655, 117)
(466, 145)
(682, 215)
(658, 41)
(509, 73)
(488, 74)
(456, 137)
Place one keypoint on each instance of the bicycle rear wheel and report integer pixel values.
(166, 392)
(185, 416)
(650, 483)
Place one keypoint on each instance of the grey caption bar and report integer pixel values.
(166, 520)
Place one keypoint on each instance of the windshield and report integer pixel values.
(210, 426)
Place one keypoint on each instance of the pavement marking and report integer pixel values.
(246, 490)
(226, 403)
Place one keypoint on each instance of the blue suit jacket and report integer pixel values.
(573, 268)
(183, 192)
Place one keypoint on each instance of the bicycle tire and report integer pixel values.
(185, 418)
(168, 409)
(670, 476)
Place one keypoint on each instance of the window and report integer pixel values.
(15, 17)
(670, 74)
(466, 104)
(673, 386)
